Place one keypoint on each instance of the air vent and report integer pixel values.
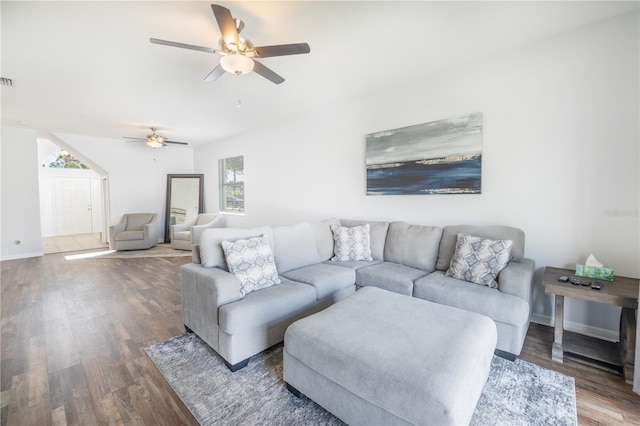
(6, 81)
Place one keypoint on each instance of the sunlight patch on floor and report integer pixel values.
(88, 255)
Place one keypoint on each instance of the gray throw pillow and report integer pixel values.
(479, 260)
(211, 253)
(251, 261)
(351, 243)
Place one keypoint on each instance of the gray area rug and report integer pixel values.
(516, 393)
(160, 250)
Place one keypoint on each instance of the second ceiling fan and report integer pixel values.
(154, 140)
(238, 53)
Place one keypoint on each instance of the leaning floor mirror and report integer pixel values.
(184, 199)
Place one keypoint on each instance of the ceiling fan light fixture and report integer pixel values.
(236, 64)
(237, 52)
(155, 141)
(154, 144)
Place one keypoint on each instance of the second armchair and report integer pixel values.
(135, 231)
(184, 235)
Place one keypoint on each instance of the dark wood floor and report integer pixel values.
(73, 334)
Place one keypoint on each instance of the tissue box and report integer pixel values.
(601, 273)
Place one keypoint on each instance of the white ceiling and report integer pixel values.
(88, 68)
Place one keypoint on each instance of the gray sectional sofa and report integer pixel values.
(407, 259)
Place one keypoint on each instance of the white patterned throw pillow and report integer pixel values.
(252, 262)
(351, 243)
(479, 260)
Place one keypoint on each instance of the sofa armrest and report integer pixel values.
(204, 291)
(179, 227)
(151, 231)
(517, 279)
(114, 229)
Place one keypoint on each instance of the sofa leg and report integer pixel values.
(294, 391)
(506, 355)
(188, 329)
(237, 366)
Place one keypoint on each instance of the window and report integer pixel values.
(232, 185)
(64, 160)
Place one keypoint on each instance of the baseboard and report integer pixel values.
(21, 256)
(576, 327)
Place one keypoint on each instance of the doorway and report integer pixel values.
(71, 201)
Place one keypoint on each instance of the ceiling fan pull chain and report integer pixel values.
(238, 91)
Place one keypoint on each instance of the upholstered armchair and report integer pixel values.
(136, 231)
(184, 235)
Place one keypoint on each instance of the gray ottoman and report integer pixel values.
(379, 357)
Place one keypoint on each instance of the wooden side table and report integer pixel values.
(621, 292)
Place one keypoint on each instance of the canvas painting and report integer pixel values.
(440, 157)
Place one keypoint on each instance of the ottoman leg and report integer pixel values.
(294, 391)
(237, 366)
(506, 355)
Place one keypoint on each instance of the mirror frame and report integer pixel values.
(167, 215)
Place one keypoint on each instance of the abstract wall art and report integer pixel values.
(439, 157)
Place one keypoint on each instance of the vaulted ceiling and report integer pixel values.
(88, 68)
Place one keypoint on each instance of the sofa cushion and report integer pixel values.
(324, 277)
(295, 246)
(413, 245)
(479, 260)
(266, 306)
(389, 276)
(355, 264)
(130, 235)
(251, 261)
(494, 232)
(351, 243)
(210, 248)
(499, 306)
(377, 235)
(324, 237)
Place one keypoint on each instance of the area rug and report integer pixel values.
(160, 250)
(516, 393)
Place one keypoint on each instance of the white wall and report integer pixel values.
(19, 205)
(560, 156)
(137, 174)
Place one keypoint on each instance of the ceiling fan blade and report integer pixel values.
(282, 50)
(215, 74)
(182, 45)
(226, 24)
(133, 139)
(266, 72)
(175, 142)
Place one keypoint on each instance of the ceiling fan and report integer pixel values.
(237, 52)
(153, 140)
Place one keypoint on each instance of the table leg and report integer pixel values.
(556, 350)
(628, 342)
